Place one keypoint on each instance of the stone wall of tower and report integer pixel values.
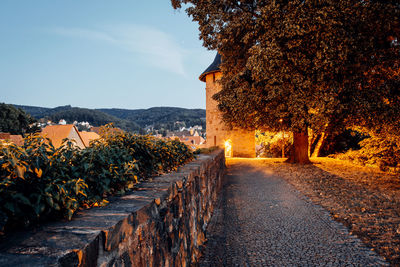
(243, 142)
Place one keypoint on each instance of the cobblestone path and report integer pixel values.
(263, 221)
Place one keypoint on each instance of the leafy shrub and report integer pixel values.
(376, 150)
(270, 144)
(39, 181)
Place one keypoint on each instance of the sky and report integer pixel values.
(100, 54)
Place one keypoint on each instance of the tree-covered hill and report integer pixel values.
(160, 115)
(71, 114)
(127, 119)
(37, 112)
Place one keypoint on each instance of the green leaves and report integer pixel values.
(378, 149)
(13, 120)
(39, 182)
(281, 59)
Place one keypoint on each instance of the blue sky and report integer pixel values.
(100, 54)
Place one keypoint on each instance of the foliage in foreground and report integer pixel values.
(378, 150)
(39, 181)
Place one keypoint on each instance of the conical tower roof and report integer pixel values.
(214, 67)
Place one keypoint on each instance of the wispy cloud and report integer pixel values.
(152, 46)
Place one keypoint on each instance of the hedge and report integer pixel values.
(39, 182)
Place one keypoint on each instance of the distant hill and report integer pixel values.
(37, 112)
(71, 114)
(159, 116)
(127, 119)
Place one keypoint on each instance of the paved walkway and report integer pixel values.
(263, 221)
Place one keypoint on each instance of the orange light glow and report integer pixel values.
(228, 148)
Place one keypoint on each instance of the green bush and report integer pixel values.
(39, 181)
(270, 144)
(376, 150)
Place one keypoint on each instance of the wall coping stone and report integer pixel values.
(100, 230)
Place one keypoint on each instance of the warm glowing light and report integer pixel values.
(228, 148)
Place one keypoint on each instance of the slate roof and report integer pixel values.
(214, 67)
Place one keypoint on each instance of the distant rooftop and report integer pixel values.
(57, 133)
(214, 67)
(88, 136)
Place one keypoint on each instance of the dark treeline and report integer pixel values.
(129, 120)
(159, 117)
(14, 120)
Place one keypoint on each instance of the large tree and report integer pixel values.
(299, 64)
(15, 121)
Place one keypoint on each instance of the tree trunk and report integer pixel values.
(322, 139)
(319, 145)
(311, 140)
(300, 149)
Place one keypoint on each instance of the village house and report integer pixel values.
(88, 136)
(179, 134)
(237, 142)
(12, 138)
(192, 141)
(57, 133)
(195, 140)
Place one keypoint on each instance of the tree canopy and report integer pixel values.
(14, 121)
(307, 62)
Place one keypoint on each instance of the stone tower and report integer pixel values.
(237, 142)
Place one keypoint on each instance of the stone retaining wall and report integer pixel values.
(162, 223)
